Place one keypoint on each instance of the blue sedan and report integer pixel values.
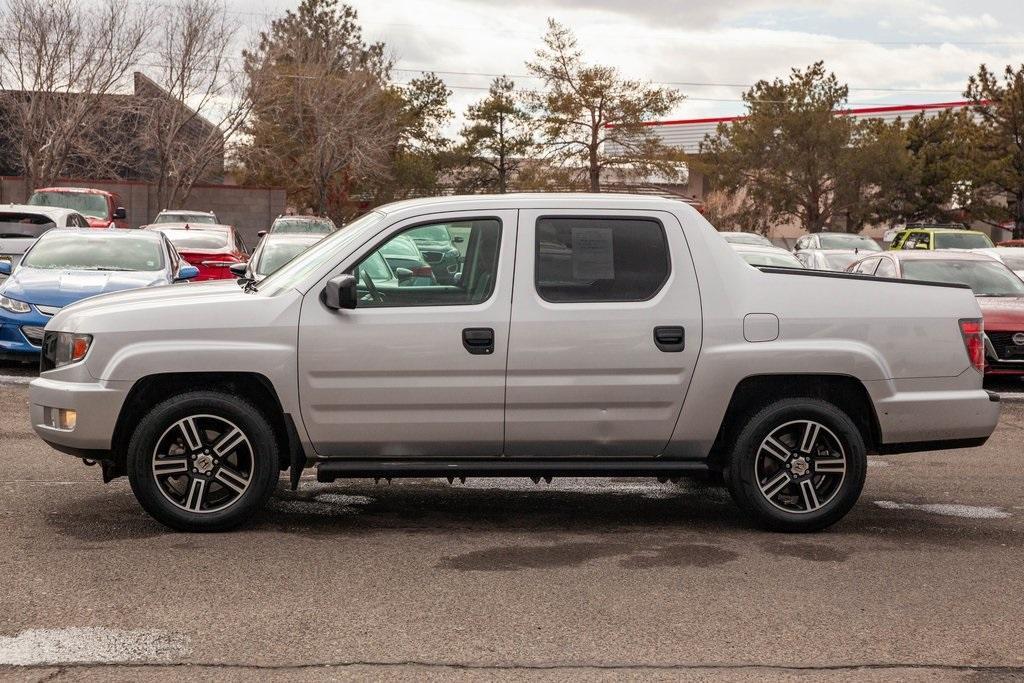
(65, 266)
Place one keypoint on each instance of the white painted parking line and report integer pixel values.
(90, 645)
(15, 379)
(948, 509)
(1011, 396)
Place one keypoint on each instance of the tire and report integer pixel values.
(203, 461)
(807, 476)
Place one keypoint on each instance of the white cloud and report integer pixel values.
(706, 42)
(960, 23)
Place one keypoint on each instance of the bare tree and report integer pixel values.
(61, 64)
(323, 120)
(338, 127)
(195, 102)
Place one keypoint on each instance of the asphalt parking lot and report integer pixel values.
(595, 579)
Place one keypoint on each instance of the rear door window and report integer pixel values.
(600, 259)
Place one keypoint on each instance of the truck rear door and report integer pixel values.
(606, 329)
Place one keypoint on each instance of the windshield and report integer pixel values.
(746, 238)
(23, 225)
(85, 203)
(1013, 262)
(844, 241)
(402, 247)
(302, 226)
(962, 240)
(94, 251)
(780, 260)
(375, 267)
(324, 252)
(840, 261)
(431, 233)
(190, 218)
(985, 278)
(186, 240)
(276, 255)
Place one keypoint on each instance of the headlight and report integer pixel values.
(63, 348)
(14, 306)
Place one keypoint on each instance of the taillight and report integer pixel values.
(973, 331)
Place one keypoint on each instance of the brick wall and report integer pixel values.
(249, 209)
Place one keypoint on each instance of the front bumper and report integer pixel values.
(14, 342)
(97, 405)
(1003, 356)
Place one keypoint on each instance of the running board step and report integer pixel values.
(329, 470)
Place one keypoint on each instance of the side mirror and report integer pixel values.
(5, 268)
(186, 272)
(120, 214)
(238, 269)
(458, 239)
(340, 292)
(404, 274)
(261, 233)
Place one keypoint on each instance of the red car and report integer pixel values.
(213, 249)
(101, 208)
(1000, 295)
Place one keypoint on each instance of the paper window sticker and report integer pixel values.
(593, 255)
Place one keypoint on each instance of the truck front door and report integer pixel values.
(418, 367)
(606, 328)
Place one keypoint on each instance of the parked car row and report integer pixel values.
(64, 266)
(195, 246)
(922, 253)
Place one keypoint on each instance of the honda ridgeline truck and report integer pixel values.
(583, 335)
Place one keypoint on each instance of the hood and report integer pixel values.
(45, 287)
(122, 310)
(1002, 312)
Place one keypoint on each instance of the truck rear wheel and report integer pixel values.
(797, 465)
(203, 461)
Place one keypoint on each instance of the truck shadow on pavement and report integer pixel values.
(627, 519)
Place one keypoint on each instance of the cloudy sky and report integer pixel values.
(907, 51)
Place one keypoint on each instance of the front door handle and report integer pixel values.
(670, 339)
(478, 340)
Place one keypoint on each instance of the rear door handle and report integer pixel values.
(670, 339)
(478, 340)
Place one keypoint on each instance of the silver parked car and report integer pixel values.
(186, 217)
(585, 335)
(274, 251)
(22, 224)
(1012, 257)
(836, 240)
(766, 256)
(830, 259)
(738, 237)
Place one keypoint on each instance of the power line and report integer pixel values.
(458, 86)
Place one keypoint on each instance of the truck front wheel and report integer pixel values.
(203, 461)
(797, 465)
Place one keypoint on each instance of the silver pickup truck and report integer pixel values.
(574, 335)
